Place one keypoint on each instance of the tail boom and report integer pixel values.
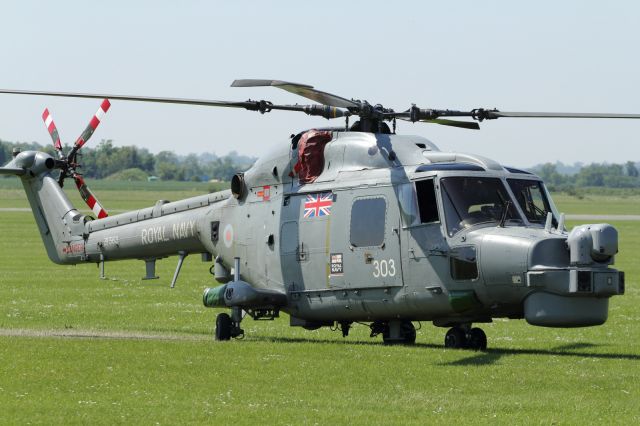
(70, 237)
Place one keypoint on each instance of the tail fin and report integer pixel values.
(61, 226)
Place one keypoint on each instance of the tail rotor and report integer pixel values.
(88, 131)
(53, 132)
(68, 163)
(88, 197)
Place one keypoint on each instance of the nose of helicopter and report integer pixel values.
(533, 268)
(505, 255)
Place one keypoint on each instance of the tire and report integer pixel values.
(223, 327)
(408, 333)
(477, 339)
(455, 338)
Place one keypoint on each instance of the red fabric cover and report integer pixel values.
(311, 155)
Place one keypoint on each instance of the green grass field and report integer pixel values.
(139, 352)
(598, 204)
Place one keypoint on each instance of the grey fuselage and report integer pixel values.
(357, 243)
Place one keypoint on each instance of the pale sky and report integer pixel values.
(559, 56)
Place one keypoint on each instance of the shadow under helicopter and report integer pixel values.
(490, 356)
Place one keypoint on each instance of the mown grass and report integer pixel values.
(600, 204)
(173, 372)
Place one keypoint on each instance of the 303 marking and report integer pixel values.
(384, 268)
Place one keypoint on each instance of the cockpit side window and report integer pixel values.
(469, 201)
(427, 204)
(531, 199)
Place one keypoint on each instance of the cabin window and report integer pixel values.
(368, 219)
(427, 201)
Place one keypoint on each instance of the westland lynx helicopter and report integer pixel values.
(352, 224)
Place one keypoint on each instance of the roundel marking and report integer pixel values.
(228, 235)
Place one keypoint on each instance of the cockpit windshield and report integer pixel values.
(531, 198)
(469, 201)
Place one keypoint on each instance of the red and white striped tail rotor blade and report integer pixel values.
(93, 124)
(53, 131)
(89, 198)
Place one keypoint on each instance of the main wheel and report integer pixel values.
(477, 339)
(406, 335)
(408, 331)
(455, 338)
(223, 327)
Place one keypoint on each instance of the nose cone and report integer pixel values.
(504, 256)
(549, 252)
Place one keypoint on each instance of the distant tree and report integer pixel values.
(631, 169)
(166, 166)
(191, 169)
(549, 173)
(607, 175)
(223, 169)
(591, 175)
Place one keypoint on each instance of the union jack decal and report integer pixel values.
(318, 204)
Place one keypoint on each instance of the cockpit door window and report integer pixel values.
(531, 198)
(470, 201)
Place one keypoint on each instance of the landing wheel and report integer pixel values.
(408, 331)
(477, 339)
(223, 327)
(403, 333)
(455, 338)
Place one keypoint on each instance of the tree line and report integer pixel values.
(133, 163)
(593, 175)
(107, 161)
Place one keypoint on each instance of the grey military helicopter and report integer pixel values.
(351, 224)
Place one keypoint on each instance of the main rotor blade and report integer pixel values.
(480, 114)
(303, 90)
(325, 111)
(498, 114)
(471, 125)
(183, 101)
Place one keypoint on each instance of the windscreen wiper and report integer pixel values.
(505, 211)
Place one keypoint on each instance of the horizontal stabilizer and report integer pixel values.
(12, 171)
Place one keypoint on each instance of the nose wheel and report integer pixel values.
(223, 327)
(226, 327)
(460, 337)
